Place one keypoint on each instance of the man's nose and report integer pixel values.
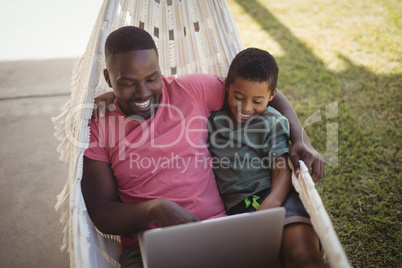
(142, 91)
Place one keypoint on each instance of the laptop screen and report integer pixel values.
(243, 240)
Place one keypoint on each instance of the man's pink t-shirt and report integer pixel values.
(166, 155)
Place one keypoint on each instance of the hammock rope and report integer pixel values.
(304, 185)
(191, 36)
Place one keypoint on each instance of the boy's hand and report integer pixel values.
(101, 105)
(310, 157)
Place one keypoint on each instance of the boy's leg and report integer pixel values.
(300, 246)
(300, 243)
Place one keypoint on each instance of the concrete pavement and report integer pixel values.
(31, 92)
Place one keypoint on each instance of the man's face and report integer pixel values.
(136, 80)
(247, 99)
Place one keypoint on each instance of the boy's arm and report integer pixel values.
(280, 185)
(111, 216)
(301, 148)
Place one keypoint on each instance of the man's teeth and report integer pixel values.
(143, 105)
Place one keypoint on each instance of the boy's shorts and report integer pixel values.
(295, 211)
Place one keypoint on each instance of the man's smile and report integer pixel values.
(143, 105)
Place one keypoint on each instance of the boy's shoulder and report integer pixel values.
(272, 114)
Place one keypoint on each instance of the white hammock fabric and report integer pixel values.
(319, 217)
(192, 37)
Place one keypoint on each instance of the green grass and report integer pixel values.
(348, 53)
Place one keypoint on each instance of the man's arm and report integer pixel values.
(101, 104)
(113, 217)
(301, 148)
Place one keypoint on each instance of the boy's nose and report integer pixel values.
(247, 108)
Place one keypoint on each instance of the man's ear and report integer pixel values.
(273, 94)
(107, 78)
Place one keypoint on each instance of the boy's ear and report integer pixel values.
(273, 94)
(106, 75)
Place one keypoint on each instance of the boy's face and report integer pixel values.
(247, 99)
(136, 80)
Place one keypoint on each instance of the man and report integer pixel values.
(148, 162)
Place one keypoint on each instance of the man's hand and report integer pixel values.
(101, 105)
(168, 213)
(310, 157)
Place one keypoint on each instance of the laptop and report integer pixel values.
(243, 240)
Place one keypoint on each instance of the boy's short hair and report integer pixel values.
(254, 64)
(126, 39)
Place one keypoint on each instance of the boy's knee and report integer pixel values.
(300, 247)
(302, 257)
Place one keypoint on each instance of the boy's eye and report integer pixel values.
(238, 98)
(257, 102)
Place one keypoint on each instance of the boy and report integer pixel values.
(248, 142)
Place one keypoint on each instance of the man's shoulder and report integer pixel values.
(204, 90)
(190, 81)
(199, 80)
(199, 77)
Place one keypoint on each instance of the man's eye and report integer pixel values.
(155, 78)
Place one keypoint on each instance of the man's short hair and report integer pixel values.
(126, 39)
(254, 64)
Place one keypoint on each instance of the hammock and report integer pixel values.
(192, 37)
